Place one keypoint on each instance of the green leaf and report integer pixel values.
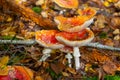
(103, 35)
(108, 77)
(53, 74)
(37, 9)
(90, 78)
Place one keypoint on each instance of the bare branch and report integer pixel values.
(32, 42)
(25, 42)
(101, 46)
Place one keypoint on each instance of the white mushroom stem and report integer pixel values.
(76, 54)
(46, 53)
(69, 57)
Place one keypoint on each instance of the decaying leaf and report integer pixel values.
(71, 70)
(98, 57)
(88, 67)
(3, 68)
(109, 67)
(4, 60)
(11, 31)
(38, 78)
(57, 68)
(65, 74)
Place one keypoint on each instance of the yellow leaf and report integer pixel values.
(38, 78)
(11, 31)
(110, 0)
(87, 67)
(4, 60)
(65, 74)
(9, 19)
(3, 70)
(71, 70)
(107, 4)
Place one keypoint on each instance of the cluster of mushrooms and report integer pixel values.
(73, 32)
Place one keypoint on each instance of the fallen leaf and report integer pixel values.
(38, 78)
(3, 70)
(4, 60)
(9, 19)
(109, 67)
(71, 70)
(57, 68)
(98, 57)
(65, 74)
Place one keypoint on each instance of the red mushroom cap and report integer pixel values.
(18, 72)
(73, 24)
(67, 3)
(46, 38)
(75, 39)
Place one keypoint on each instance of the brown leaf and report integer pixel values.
(38, 78)
(65, 74)
(71, 70)
(98, 57)
(109, 67)
(46, 77)
(57, 68)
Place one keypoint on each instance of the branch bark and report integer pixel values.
(28, 13)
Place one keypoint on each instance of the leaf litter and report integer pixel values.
(96, 62)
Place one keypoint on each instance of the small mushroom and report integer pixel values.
(76, 40)
(70, 4)
(69, 57)
(46, 38)
(68, 50)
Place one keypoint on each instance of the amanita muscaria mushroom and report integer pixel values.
(17, 73)
(76, 23)
(67, 3)
(72, 24)
(76, 40)
(46, 38)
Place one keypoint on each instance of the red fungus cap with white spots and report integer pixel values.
(72, 24)
(75, 39)
(46, 38)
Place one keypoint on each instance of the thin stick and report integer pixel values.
(101, 46)
(32, 42)
(25, 42)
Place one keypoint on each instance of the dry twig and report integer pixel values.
(32, 42)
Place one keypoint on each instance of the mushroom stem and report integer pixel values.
(76, 54)
(46, 53)
(69, 57)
